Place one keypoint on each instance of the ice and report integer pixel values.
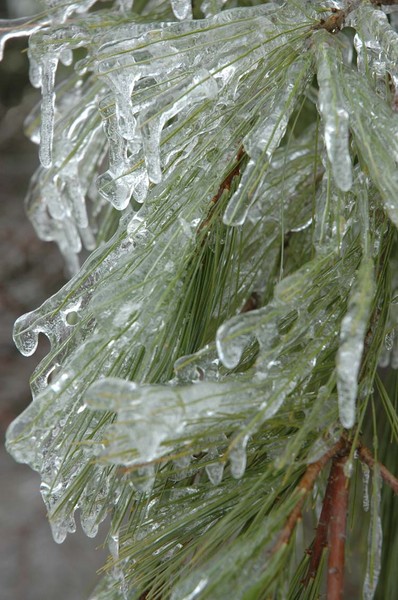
(375, 540)
(389, 340)
(333, 111)
(365, 483)
(125, 5)
(203, 86)
(215, 472)
(263, 140)
(48, 70)
(237, 456)
(376, 44)
(370, 133)
(150, 416)
(23, 27)
(59, 10)
(352, 335)
(182, 9)
(212, 7)
(192, 92)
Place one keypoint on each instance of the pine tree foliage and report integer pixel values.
(230, 169)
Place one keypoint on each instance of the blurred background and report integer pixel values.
(32, 565)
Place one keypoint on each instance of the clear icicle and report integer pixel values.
(182, 9)
(203, 86)
(352, 335)
(237, 457)
(333, 111)
(375, 540)
(49, 68)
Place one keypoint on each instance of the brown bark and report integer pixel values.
(337, 529)
(304, 487)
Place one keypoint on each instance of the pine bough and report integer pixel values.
(232, 172)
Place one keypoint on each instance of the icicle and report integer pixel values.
(49, 68)
(124, 5)
(334, 114)
(263, 140)
(212, 7)
(182, 9)
(365, 483)
(375, 540)
(203, 86)
(215, 472)
(353, 330)
(237, 457)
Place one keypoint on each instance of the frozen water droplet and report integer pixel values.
(182, 9)
(215, 472)
(389, 340)
(25, 338)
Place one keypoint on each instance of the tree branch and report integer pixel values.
(337, 529)
(304, 487)
(321, 537)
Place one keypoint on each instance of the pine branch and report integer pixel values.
(337, 529)
(321, 537)
(304, 487)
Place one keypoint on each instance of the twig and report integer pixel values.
(304, 487)
(225, 185)
(366, 457)
(334, 23)
(337, 529)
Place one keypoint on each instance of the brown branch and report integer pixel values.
(337, 529)
(321, 537)
(225, 185)
(304, 487)
(334, 23)
(366, 457)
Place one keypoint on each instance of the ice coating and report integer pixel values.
(369, 133)
(379, 37)
(22, 27)
(352, 336)
(150, 416)
(131, 70)
(154, 96)
(263, 140)
(332, 109)
(143, 112)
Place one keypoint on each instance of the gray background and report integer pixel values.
(32, 565)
